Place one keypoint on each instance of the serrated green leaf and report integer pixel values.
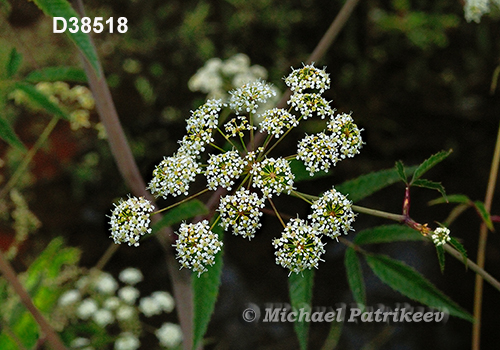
(57, 74)
(301, 174)
(412, 284)
(8, 134)
(14, 62)
(62, 8)
(300, 289)
(368, 184)
(400, 168)
(430, 185)
(205, 292)
(386, 234)
(441, 259)
(485, 216)
(454, 198)
(429, 163)
(40, 99)
(458, 246)
(184, 211)
(355, 276)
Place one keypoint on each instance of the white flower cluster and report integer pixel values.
(299, 247)
(273, 176)
(441, 236)
(173, 175)
(169, 335)
(346, 134)
(475, 9)
(248, 97)
(332, 213)
(318, 152)
(309, 104)
(308, 77)
(108, 304)
(218, 76)
(196, 246)
(276, 120)
(242, 212)
(130, 220)
(244, 168)
(223, 169)
(238, 126)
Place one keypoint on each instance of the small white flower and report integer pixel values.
(309, 104)
(131, 276)
(318, 152)
(128, 294)
(69, 297)
(308, 77)
(103, 317)
(106, 284)
(164, 300)
(223, 169)
(149, 307)
(173, 175)
(169, 335)
(475, 9)
(80, 343)
(125, 313)
(276, 121)
(441, 236)
(86, 308)
(197, 246)
(112, 303)
(299, 246)
(347, 135)
(242, 212)
(332, 214)
(130, 220)
(272, 176)
(248, 97)
(127, 341)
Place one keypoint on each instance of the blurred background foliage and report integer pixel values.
(416, 75)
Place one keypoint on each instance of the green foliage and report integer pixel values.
(41, 100)
(40, 280)
(184, 211)
(428, 164)
(412, 284)
(62, 8)
(477, 205)
(386, 234)
(441, 258)
(301, 290)
(205, 293)
(368, 184)
(8, 134)
(400, 168)
(57, 74)
(355, 276)
(14, 63)
(458, 246)
(431, 185)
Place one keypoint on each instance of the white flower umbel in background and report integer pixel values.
(221, 144)
(110, 305)
(169, 335)
(475, 9)
(217, 77)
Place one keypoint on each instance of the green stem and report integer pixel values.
(21, 169)
(481, 249)
(276, 212)
(381, 214)
(181, 201)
